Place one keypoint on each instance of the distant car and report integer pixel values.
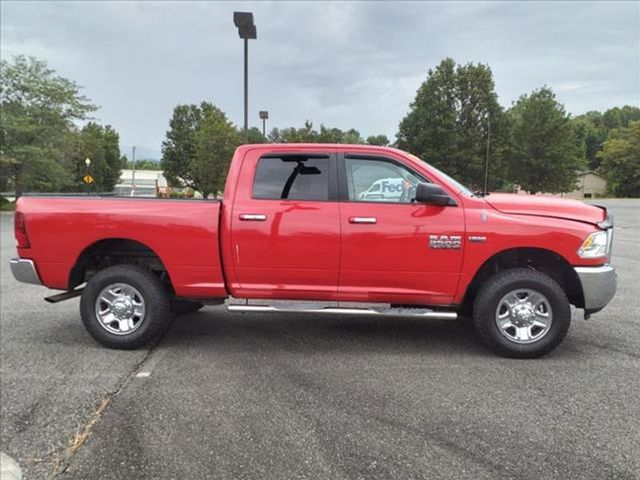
(385, 189)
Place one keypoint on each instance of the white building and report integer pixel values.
(590, 185)
(144, 183)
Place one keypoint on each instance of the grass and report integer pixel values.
(61, 458)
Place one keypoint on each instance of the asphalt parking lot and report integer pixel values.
(247, 396)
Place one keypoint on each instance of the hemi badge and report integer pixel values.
(477, 238)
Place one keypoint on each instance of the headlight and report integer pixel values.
(596, 245)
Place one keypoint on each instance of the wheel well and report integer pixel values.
(539, 259)
(115, 251)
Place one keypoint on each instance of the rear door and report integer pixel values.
(386, 252)
(285, 227)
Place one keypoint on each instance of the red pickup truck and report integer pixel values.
(346, 229)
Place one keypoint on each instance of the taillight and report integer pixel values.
(20, 229)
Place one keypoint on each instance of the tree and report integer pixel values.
(101, 145)
(544, 155)
(620, 158)
(307, 134)
(448, 122)
(142, 164)
(589, 137)
(198, 147)
(593, 128)
(38, 114)
(380, 140)
(255, 135)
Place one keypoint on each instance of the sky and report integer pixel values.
(344, 64)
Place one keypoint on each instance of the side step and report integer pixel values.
(60, 297)
(297, 307)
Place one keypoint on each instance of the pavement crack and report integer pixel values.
(61, 457)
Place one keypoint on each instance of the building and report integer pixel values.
(590, 185)
(147, 183)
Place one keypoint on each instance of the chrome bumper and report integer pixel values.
(24, 270)
(598, 286)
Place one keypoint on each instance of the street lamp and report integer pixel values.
(87, 178)
(264, 116)
(247, 31)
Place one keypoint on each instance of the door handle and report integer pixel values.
(363, 220)
(253, 217)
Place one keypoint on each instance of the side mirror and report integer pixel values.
(432, 194)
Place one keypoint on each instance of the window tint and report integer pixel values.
(379, 181)
(292, 178)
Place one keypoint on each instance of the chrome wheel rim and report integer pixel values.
(120, 309)
(524, 316)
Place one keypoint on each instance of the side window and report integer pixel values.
(292, 178)
(379, 181)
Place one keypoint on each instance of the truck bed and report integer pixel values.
(183, 233)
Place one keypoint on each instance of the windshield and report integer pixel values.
(452, 181)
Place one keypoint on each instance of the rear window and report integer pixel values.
(292, 178)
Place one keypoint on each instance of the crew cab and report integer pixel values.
(294, 232)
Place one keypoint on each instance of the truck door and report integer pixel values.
(285, 227)
(386, 253)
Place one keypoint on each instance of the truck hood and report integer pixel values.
(546, 206)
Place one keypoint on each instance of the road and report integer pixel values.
(247, 396)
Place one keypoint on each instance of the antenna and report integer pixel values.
(486, 163)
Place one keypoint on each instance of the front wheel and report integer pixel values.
(125, 307)
(521, 313)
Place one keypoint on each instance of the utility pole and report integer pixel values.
(133, 171)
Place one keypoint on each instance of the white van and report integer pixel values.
(385, 189)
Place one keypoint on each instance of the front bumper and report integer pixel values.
(598, 286)
(24, 270)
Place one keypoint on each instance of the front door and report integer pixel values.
(285, 227)
(388, 249)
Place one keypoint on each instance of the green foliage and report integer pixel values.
(255, 135)
(448, 122)
(36, 125)
(380, 140)
(6, 205)
(100, 145)
(308, 134)
(198, 147)
(620, 158)
(142, 164)
(593, 128)
(544, 153)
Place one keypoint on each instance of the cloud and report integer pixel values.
(349, 65)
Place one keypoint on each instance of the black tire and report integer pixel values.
(157, 312)
(182, 307)
(496, 288)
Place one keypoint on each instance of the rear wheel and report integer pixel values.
(521, 313)
(125, 307)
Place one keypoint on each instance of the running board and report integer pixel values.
(388, 312)
(64, 296)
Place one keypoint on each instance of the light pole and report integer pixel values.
(87, 162)
(264, 116)
(247, 31)
(133, 171)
